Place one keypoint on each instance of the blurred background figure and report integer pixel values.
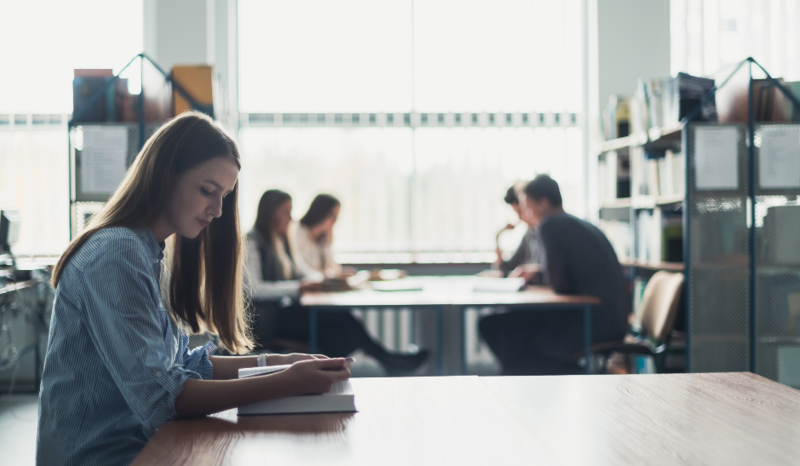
(528, 250)
(277, 276)
(314, 236)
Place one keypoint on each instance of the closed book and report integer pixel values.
(340, 399)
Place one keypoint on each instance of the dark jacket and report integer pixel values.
(579, 260)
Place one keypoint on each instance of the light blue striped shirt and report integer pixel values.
(115, 359)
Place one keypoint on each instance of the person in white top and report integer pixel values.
(276, 276)
(314, 236)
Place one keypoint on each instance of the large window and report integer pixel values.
(709, 36)
(43, 42)
(418, 115)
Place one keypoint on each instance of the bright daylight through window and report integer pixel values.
(417, 115)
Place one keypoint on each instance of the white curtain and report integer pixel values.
(708, 36)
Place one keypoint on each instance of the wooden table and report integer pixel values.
(692, 419)
(449, 297)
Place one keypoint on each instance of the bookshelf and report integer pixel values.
(735, 218)
(100, 152)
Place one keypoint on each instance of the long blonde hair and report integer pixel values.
(205, 290)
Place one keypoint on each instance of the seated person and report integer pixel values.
(578, 259)
(276, 278)
(314, 236)
(528, 250)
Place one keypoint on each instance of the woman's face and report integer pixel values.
(282, 217)
(327, 225)
(198, 194)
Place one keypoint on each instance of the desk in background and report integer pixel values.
(692, 419)
(449, 297)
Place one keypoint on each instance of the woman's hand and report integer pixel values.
(526, 271)
(291, 358)
(314, 376)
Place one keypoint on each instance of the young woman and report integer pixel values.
(314, 236)
(117, 365)
(276, 280)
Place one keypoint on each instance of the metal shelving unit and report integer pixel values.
(743, 297)
(152, 110)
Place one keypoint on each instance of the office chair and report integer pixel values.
(662, 298)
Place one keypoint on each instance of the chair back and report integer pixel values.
(660, 304)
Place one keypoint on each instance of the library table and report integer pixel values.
(449, 297)
(402, 421)
(660, 419)
(675, 419)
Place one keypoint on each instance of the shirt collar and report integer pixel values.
(155, 249)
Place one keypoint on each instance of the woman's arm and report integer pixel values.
(264, 290)
(202, 397)
(227, 367)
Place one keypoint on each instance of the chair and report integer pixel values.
(662, 298)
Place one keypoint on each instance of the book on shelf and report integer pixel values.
(340, 399)
(620, 236)
(660, 236)
(663, 102)
(664, 177)
(615, 118)
(614, 177)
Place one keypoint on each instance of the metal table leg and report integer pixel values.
(587, 337)
(312, 331)
(440, 340)
(463, 366)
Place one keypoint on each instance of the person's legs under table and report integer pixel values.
(535, 342)
(339, 334)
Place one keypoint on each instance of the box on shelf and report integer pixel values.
(115, 105)
(197, 80)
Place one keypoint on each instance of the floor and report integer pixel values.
(18, 414)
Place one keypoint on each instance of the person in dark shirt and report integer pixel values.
(577, 259)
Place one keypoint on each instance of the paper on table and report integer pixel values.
(103, 158)
(717, 158)
(779, 157)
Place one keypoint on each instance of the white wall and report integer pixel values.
(632, 41)
(624, 40)
(197, 32)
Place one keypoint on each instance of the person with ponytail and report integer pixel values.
(162, 258)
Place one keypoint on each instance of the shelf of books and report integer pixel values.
(719, 200)
(642, 173)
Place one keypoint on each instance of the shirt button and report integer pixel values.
(158, 374)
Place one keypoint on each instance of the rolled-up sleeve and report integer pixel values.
(197, 360)
(126, 319)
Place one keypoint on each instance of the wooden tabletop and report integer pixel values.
(444, 291)
(403, 421)
(692, 419)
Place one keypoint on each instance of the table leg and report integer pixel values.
(463, 368)
(587, 337)
(440, 340)
(312, 331)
